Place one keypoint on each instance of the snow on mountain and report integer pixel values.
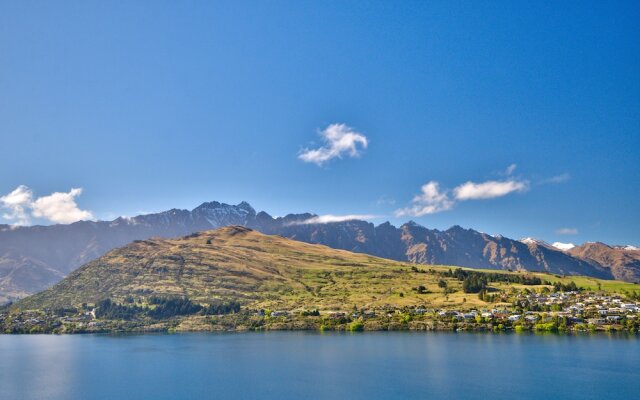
(627, 247)
(530, 240)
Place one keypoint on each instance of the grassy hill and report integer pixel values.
(262, 271)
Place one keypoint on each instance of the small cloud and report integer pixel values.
(430, 201)
(329, 218)
(510, 169)
(340, 140)
(563, 246)
(567, 231)
(58, 207)
(385, 200)
(488, 190)
(17, 203)
(556, 179)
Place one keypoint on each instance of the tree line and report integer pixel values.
(477, 282)
(165, 307)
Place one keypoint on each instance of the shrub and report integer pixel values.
(546, 327)
(356, 326)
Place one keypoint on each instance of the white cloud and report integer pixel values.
(58, 207)
(340, 140)
(488, 190)
(563, 246)
(430, 201)
(329, 218)
(510, 169)
(567, 231)
(18, 204)
(557, 179)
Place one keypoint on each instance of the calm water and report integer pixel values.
(319, 366)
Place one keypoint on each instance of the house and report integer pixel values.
(531, 318)
(514, 318)
(280, 313)
(369, 314)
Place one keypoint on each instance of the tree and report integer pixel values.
(474, 283)
(421, 289)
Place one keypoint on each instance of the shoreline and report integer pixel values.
(620, 334)
(235, 324)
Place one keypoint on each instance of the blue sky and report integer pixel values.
(155, 105)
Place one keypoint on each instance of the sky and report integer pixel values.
(518, 118)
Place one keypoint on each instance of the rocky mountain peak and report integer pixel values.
(411, 225)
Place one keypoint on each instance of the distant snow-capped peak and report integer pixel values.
(530, 240)
(556, 245)
(563, 246)
(627, 247)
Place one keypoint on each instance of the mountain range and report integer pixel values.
(35, 257)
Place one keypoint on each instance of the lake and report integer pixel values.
(301, 365)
